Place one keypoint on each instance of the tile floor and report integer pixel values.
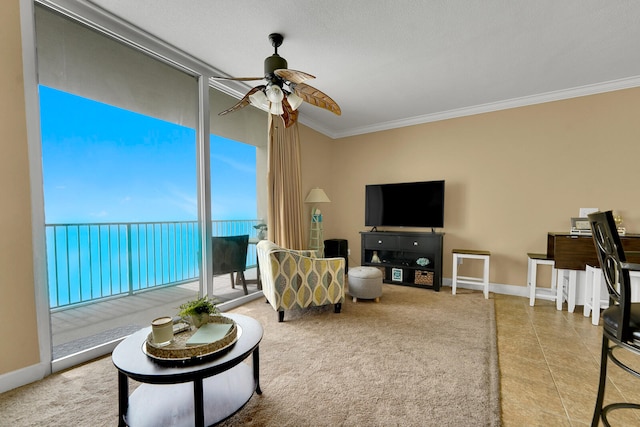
(549, 367)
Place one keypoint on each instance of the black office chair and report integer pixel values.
(621, 321)
(230, 256)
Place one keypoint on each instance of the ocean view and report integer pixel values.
(92, 261)
(120, 198)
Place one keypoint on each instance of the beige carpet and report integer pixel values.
(417, 358)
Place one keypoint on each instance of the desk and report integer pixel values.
(573, 252)
(195, 394)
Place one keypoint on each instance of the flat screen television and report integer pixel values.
(407, 204)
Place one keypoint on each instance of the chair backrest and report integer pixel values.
(612, 262)
(229, 253)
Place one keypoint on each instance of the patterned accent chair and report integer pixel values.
(292, 278)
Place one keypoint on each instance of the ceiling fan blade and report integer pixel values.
(315, 97)
(290, 115)
(243, 102)
(239, 79)
(293, 76)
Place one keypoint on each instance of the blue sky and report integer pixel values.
(106, 164)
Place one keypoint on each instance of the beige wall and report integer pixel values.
(19, 336)
(511, 176)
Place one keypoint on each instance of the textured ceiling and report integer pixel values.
(395, 63)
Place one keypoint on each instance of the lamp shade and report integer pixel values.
(317, 195)
(276, 108)
(274, 93)
(294, 101)
(260, 100)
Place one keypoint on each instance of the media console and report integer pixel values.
(408, 258)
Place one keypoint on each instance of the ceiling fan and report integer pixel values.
(284, 91)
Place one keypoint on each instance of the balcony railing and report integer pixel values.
(87, 262)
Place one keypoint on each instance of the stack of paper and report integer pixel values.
(209, 333)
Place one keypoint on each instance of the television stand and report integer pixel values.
(408, 258)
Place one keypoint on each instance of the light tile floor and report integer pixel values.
(549, 367)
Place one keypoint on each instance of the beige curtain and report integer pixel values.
(285, 189)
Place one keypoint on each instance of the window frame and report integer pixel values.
(112, 27)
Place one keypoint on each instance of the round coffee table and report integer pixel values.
(199, 394)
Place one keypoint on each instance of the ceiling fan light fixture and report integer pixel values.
(259, 99)
(276, 108)
(274, 93)
(294, 101)
(270, 97)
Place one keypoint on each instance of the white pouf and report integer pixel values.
(365, 283)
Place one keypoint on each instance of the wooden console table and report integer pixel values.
(576, 251)
(400, 251)
(573, 252)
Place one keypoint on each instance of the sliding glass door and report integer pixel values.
(131, 183)
(238, 190)
(120, 186)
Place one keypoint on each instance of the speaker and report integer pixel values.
(337, 248)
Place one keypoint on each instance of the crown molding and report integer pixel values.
(559, 95)
(237, 89)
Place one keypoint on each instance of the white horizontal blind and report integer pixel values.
(81, 61)
(78, 60)
(248, 125)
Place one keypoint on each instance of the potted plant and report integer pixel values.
(262, 231)
(199, 310)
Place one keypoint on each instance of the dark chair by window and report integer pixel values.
(230, 257)
(621, 321)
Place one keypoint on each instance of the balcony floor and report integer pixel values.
(80, 328)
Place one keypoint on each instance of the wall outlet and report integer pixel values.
(348, 252)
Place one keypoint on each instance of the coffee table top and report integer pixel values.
(130, 359)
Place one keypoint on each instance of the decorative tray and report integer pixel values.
(179, 353)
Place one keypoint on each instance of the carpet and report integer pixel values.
(416, 358)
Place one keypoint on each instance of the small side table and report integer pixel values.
(458, 256)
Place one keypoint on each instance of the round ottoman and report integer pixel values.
(365, 283)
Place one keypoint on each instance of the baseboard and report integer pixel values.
(496, 288)
(226, 306)
(84, 356)
(20, 377)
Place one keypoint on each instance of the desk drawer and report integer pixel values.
(378, 241)
(415, 243)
